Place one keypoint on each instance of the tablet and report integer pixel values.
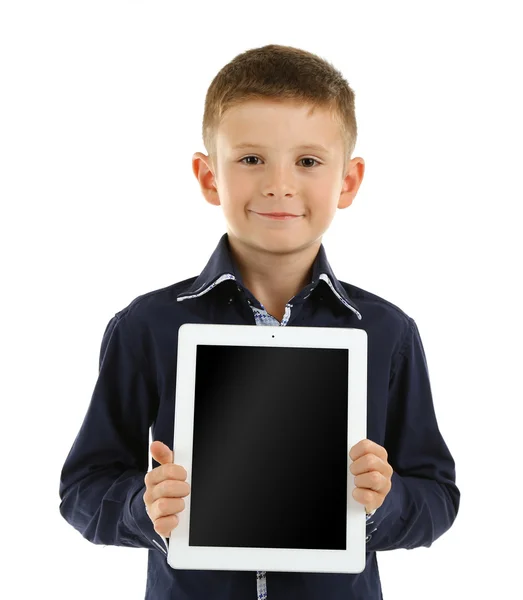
(264, 421)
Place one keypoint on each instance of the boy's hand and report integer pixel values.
(373, 474)
(165, 487)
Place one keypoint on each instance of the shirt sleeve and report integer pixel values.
(102, 481)
(424, 499)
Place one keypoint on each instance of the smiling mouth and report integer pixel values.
(278, 216)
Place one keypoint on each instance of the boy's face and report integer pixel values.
(281, 175)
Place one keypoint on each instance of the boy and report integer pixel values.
(280, 129)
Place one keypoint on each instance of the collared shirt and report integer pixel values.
(102, 480)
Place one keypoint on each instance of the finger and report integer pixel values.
(165, 525)
(163, 472)
(161, 453)
(368, 498)
(367, 463)
(165, 507)
(372, 481)
(368, 447)
(169, 488)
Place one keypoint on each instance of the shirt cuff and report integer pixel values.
(145, 525)
(370, 523)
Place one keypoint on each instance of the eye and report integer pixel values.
(255, 157)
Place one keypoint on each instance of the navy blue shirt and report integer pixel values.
(102, 480)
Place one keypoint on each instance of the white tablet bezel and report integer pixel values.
(183, 556)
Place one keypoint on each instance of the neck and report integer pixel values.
(274, 278)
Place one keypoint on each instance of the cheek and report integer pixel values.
(234, 207)
(235, 175)
(238, 187)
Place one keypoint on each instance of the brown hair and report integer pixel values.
(280, 73)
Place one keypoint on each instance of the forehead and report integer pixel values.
(275, 123)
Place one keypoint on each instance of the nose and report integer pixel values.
(279, 183)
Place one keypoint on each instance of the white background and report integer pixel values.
(101, 109)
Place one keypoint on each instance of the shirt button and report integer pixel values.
(368, 537)
(230, 301)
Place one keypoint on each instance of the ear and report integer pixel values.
(204, 171)
(352, 181)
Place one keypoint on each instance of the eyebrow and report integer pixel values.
(304, 147)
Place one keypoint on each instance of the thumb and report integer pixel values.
(161, 453)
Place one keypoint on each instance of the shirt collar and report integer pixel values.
(222, 267)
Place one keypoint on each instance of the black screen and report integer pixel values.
(270, 461)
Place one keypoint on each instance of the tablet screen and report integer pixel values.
(270, 461)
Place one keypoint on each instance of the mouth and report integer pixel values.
(278, 216)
